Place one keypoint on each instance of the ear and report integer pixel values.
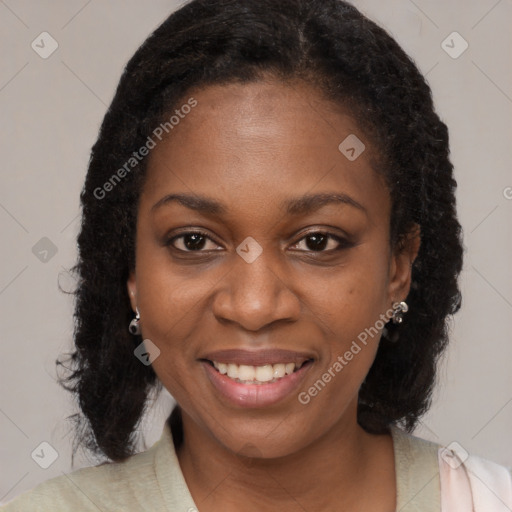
(402, 258)
(131, 286)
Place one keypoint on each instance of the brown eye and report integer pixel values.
(192, 241)
(319, 241)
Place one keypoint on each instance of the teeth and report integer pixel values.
(255, 374)
(246, 372)
(233, 371)
(264, 373)
(279, 370)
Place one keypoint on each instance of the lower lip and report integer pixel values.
(255, 395)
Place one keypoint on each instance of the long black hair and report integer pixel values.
(352, 61)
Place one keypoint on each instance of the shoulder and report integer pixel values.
(417, 472)
(409, 446)
(455, 474)
(415, 453)
(93, 488)
(487, 485)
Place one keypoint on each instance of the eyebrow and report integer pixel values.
(295, 206)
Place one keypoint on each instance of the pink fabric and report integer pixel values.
(473, 485)
(456, 493)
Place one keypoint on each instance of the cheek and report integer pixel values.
(346, 298)
(169, 305)
(175, 302)
(168, 301)
(170, 295)
(349, 304)
(351, 297)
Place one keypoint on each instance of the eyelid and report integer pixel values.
(343, 241)
(169, 240)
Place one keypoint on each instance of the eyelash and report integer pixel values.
(344, 244)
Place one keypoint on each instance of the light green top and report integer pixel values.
(153, 481)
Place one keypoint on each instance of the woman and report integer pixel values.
(269, 232)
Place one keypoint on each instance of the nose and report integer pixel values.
(255, 295)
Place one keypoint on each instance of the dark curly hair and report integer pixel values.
(353, 62)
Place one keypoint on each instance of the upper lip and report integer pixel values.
(259, 357)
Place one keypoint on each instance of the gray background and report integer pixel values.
(51, 110)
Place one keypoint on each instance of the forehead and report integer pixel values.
(260, 142)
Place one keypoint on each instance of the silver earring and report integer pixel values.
(399, 308)
(134, 327)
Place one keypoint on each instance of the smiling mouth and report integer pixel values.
(257, 375)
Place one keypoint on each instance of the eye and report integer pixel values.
(193, 241)
(317, 241)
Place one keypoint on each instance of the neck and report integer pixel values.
(336, 471)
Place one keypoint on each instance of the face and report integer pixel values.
(253, 276)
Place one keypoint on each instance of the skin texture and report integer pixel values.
(251, 147)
